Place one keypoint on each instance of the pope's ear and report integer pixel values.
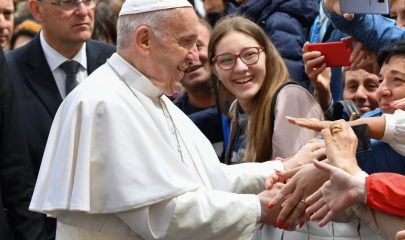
(143, 40)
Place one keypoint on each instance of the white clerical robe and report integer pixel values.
(123, 162)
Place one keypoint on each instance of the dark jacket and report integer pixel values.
(39, 96)
(16, 172)
(286, 23)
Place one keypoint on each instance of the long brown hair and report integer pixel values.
(259, 136)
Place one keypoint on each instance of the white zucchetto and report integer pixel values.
(141, 6)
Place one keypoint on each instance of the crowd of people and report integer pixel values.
(203, 119)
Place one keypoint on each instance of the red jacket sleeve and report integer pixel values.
(386, 193)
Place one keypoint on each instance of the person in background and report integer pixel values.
(199, 95)
(285, 23)
(47, 68)
(16, 173)
(249, 67)
(105, 22)
(23, 33)
(6, 23)
(358, 85)
(397, 12)
(214, 10)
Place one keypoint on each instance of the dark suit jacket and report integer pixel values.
(16, 173)
(39, 95)
(37, 90)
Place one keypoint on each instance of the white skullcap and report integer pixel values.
(141, 6)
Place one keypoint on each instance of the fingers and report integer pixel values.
(329, 217)
(313, 198)
(322, 211)
(285, 191)
(400, 235)
(398, 104)
(297, 214)
(324, 167)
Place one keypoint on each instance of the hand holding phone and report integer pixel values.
(337, 54)
(365, 6)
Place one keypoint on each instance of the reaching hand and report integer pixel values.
(400, 235)
(340, 192)
(310, 123)
(314, 149)
(334, 6)
(364, 58)
(302, 184)
(269, 216)
(318, 74)
(341, 145)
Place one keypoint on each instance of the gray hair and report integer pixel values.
(128, 24)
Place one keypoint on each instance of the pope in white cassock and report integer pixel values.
(123, 162)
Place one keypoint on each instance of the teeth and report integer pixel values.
(244, 80)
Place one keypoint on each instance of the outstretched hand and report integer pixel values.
(318, 74)
(340, 192)
(314, 149)
(310, 123)
(302, 184)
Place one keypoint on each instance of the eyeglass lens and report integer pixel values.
(248, 55)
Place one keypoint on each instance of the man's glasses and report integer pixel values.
(71, 5)
(248, 55)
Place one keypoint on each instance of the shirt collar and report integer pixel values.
(133, 77)
(55, 59)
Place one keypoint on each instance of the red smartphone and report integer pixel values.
(337, 54)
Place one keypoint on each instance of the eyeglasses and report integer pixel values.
(248, 55)
(71, 5)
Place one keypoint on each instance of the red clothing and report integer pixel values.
(386, 193)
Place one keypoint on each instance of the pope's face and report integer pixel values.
(392, 86)
(174, 50)
(199, 72)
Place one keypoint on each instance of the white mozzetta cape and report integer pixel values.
(110, 152)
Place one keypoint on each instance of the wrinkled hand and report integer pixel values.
(335, 195)
(364, 58)
(269, 216)
(398, 104)
(318, 74)
(400, 235)
(341, 146)
(303, 183)
(310, 123)
(314, 149)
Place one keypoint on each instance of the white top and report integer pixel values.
(112, 167)
(394, 133)
(55, 59)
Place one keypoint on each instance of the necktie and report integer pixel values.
(70, 67)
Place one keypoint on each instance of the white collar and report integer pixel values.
(133, 77)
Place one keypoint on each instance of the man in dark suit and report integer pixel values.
(41, 81)
(16, 173)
